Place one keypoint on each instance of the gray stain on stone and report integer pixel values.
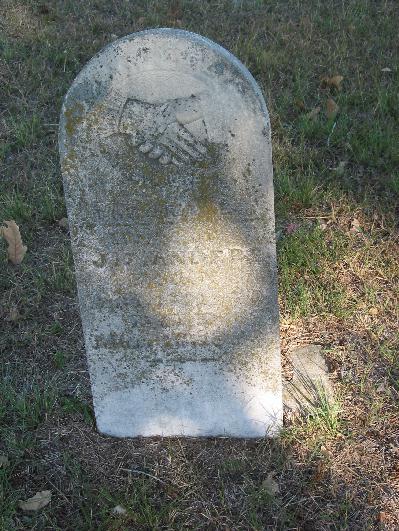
(168, 183)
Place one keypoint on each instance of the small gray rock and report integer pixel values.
(310, 380)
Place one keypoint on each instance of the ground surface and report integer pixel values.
(337, 185)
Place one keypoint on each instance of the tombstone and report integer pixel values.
(166, 159)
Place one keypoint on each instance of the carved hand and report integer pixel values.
(160, 131)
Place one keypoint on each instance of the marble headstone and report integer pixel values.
(166, 159)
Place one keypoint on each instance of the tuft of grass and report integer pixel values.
(50, 204)
(140, 510)
(323, 415)
(15, 206)
(54, 329)
(24, 131)
(295, 191)
(390, 354)
(61, 276)
(24, 408)
(59, 359)
(73, 405)
(232, 467)
(306, 259)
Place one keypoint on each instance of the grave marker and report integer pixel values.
(166, 159)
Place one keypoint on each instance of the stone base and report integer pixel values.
(197, 405)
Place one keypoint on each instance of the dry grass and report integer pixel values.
(337, 469)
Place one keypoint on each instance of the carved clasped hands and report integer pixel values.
(172, 132)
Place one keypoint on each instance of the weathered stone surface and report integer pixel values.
(166, 157)
(310, 380)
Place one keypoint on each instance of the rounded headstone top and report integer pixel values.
(167, 76)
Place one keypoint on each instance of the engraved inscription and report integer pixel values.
(172, 132)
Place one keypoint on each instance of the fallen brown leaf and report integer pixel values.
(383, 517)
(334, 82)
(331, 108)
(16, 250)
(313, 113)
(38, 501)
(300, 104)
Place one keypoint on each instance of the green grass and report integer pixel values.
(24, 131)
(76, 405)
(61, 277)
(306, 287)
(59, 359)
(24, 408)
(324, 414)
(296, 191)
(21, 413)
(335, 466)
(40, 204)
